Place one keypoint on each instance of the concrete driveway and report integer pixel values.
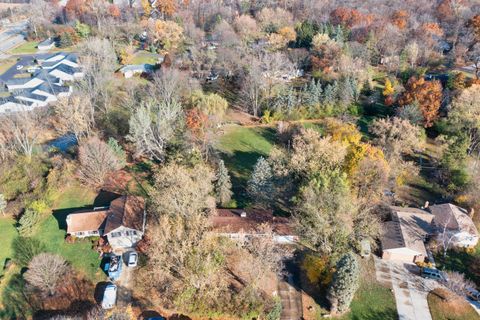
(125, 283)
(291, 300)
(409, 289)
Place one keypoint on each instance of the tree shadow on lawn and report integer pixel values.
(240, 165)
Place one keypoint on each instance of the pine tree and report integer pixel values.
(345, 283)
(28, 221)
(260, 185)
(223, 185)
(313, 93)
(330, 94)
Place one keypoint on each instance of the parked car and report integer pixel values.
(109, 296)
(113, 267)
(19, 67)
(473, 294)
(132, 259)
(434, 274)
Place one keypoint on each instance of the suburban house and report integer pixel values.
(122, 223)
(240, 224)
(48, 80)
(130, 70)
(456, 223)
(46, 44)
(403, 237)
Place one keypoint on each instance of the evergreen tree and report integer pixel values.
(223, 185)
(345, 283)
(118, 151)
(330, 94)
(313, 93)
(339, 36)
(27, 222)
(345, 93)
(260, 185)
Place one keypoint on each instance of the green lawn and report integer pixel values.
(145, 57)
(240, 148)
(25, 48)
(456, 309)
(52, 232)
(8, 232)
(372, 300)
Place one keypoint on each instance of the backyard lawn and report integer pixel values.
(142, 57)
(240, 148)
(52, 232)
(25, 48)
(8, 232)
(372, 300)
(455, 309)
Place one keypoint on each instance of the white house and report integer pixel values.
(456, 224)
(123, 222)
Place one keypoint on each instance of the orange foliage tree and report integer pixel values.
(428, 95)
(400, 19)
(167, 7)
(474, 23)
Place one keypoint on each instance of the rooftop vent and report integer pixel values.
(243, 214)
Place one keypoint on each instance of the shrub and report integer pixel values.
(25, 248)
(28, 222)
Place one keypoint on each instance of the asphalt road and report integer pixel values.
(11, 37)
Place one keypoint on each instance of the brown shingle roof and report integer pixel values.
(230, 221)
(454, 217)
(407, 229)
(86, 221)
(127, 211)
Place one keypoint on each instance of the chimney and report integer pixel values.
(426, 204)
(243, 214)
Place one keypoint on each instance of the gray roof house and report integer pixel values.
(45, 85)
(46, 44)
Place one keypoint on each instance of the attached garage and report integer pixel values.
(403, 237)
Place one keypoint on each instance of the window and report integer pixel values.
(116, 234)
(79, 233)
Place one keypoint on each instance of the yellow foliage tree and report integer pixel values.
(317, 269)
(168, 34)
(388, 90)
(147, 8)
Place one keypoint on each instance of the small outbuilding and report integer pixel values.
(46, 44)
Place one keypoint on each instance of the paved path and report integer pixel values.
(124, 283)
(291, 300)
(410, 290)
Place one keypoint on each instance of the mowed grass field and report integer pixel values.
(240, 148)
(8, 232)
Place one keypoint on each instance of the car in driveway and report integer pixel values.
(132, 259)
(19, 67)
(473, 294)
(434, 274)
(109, 296)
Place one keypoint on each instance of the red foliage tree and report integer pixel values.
(428, 95)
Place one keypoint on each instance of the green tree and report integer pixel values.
(260, 186)
(345, 283)
(82, 29)
(118, 151)
(305, 33)
(25, 248)
(28, 222)
(323, 213)
(223, 185)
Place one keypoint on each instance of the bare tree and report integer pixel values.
(153, 126)
(99, 62)
(3, 204)
(444, 236)
(45, 272)
(253, 89)
(74, 116)
(171, 85)
(457, 283)
(97, 160)
(21, 131)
